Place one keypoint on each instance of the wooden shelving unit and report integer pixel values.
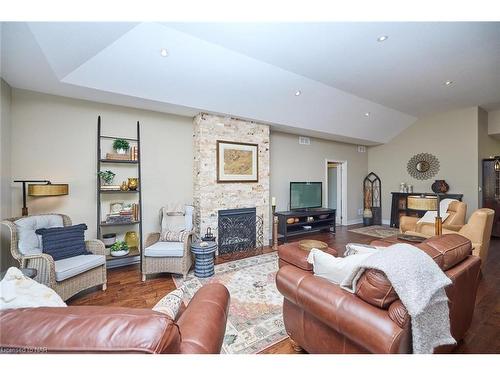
(134, 253)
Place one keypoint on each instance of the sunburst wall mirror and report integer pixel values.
(423, 166)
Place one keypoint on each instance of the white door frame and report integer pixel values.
(341, 188)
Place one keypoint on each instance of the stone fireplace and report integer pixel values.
(211, 197)
(239, 229)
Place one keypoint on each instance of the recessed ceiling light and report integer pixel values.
(448, 83)
(164, 52)
(382, 38)
(367, 114)
(298, 92)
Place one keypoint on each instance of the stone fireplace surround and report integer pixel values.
(209, 196)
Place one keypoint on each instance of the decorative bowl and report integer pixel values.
(119, 253)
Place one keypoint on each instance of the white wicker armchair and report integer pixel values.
(46, 266)
(180, 263)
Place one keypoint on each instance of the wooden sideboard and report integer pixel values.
(399, 205)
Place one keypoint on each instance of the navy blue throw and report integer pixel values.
(64, 242)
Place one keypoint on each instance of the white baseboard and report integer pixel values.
(353, 221)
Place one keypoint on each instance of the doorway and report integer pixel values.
(335, 191)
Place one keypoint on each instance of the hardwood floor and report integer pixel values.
(126, 289)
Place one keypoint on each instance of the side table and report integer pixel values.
(28, 272)
(203, 258)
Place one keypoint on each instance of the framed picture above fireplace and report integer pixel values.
(237, 162)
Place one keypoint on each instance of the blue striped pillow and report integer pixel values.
(64, 242)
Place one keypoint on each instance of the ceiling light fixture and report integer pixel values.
(164, 52)
(382, 38)
(298, 92)
(367, 114)
(448, 83)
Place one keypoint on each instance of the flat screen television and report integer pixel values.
(305, 195)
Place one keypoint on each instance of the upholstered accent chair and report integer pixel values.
(169, 256)
(456, 220)
(477, 230)
(66, 276)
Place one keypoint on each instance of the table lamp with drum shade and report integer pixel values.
(41, 188)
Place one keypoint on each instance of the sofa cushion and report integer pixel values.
(170, 304)
(69, 267)
(447, 250)
(165, 249)
(64, 242)
(29, 243)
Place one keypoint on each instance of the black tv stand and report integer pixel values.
(323, 220)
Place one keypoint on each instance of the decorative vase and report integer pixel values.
(124, 186)
(132, 239)
(133, 182)
(440, 186)
(121, 151)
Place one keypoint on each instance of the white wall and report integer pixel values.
(494, 123)
(293, 162)
(451, 136)
(6, 259)
(55, 139)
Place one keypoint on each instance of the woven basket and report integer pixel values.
(427, 203)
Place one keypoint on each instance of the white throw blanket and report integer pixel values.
(419, 283)
(17, 290)
(430, 216)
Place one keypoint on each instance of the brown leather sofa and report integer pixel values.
(456, 220)
(320, 317)
(94, 329)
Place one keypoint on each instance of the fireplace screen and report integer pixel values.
(239, 230)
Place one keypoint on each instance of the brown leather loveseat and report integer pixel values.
(95, 329)
(320, 317)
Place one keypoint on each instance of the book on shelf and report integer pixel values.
(115, 156)
(134, 153)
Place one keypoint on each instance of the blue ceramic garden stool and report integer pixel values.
(203, 258)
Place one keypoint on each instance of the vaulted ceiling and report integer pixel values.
(352, 87)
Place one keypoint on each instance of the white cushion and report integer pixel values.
(69, 267)
(334, 269)
(165, 249)
(177, 223)
(29, 242)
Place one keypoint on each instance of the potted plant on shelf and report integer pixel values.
(106, 177)
(121, 146)
(119, 249)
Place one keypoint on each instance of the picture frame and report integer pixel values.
(237, 162)
(115, 207)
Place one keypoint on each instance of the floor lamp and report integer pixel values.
(41, 188)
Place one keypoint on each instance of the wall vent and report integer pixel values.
(304, 141)
(361, 148)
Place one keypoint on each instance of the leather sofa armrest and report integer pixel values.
(203, 324)
(362, 323)
(292, 254)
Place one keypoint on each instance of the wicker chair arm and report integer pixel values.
(187, 243)
(95, 247)
(151, 239)
(45, 267)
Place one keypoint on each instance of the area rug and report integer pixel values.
(380, 231)
(255, 320)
